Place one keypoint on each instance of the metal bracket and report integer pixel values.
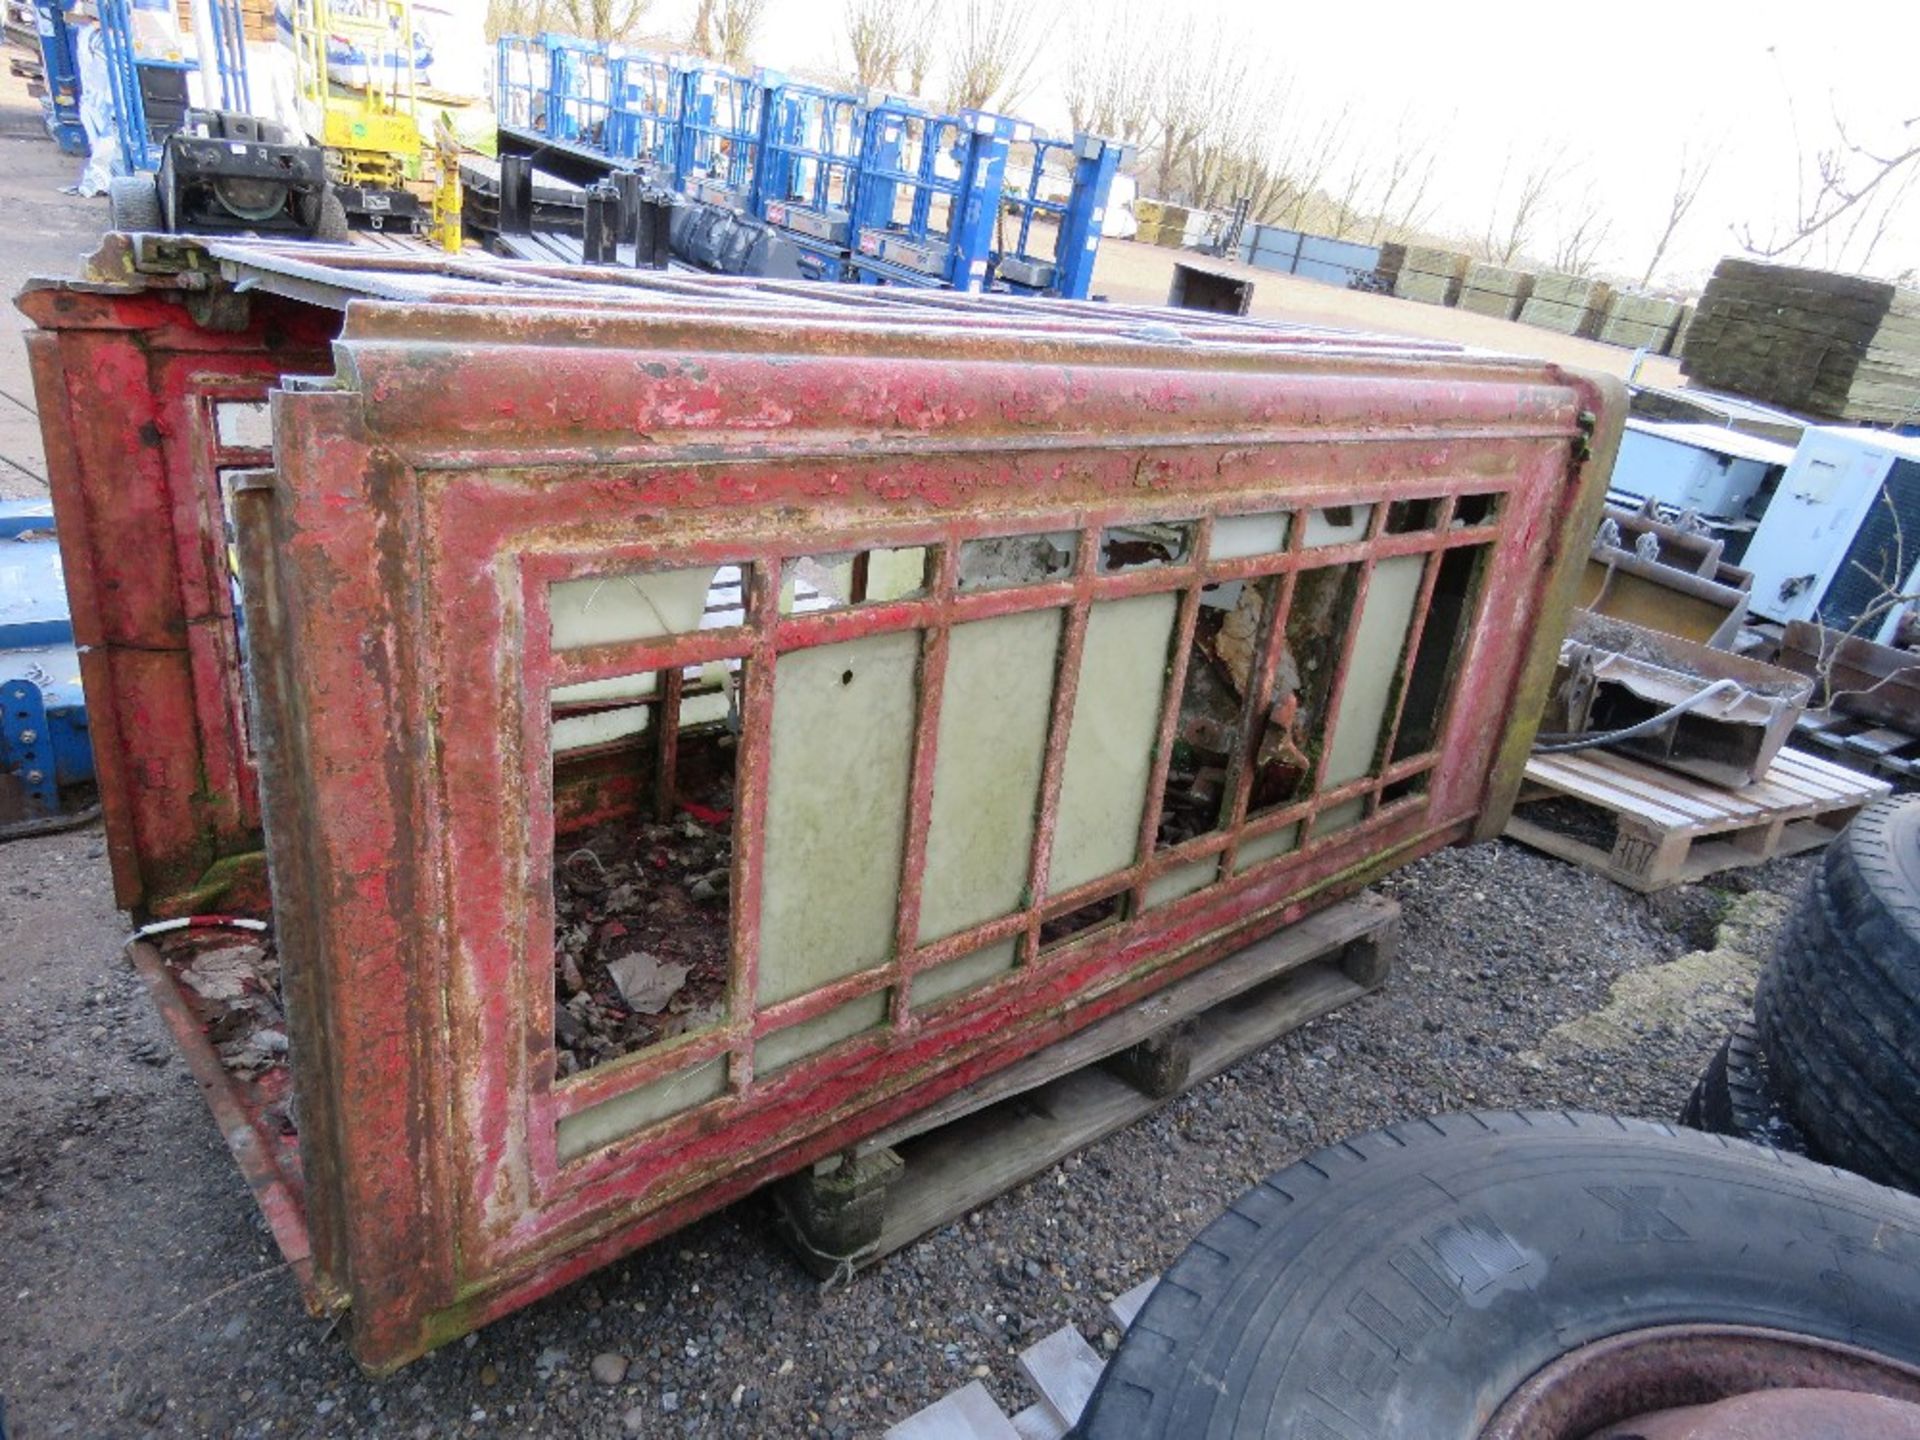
(26, 742)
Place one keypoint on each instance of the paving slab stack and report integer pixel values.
(1431, 275)
(1637, 321)
(1495, 290)
(1838, 346)
(1570, 304)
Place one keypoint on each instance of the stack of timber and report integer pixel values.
(1386, 274)
(256, 19)
(1495, 290)
(1161, 222)
(1838, 346)
(1677, 341)
(1431, 275)
(1570, 304)
(1641, 322)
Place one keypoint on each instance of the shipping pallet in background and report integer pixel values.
(1648, 828)
(932, 1168)
(1863, 745)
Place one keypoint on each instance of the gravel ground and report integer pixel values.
(139, 1294)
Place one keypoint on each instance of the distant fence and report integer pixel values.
(1312, 257)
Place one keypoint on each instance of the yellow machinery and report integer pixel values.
(369, 130)
(448, 201)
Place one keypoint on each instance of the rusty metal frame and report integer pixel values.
(416, 489)
(489, 428)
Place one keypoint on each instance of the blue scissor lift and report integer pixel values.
(809, 170)
(1064, 185)
(718, 145)
(882, 192)
(928, 195)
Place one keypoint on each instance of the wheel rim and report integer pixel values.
(251, 199)
(1587, 1393)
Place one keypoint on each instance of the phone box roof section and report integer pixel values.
(1067, 647)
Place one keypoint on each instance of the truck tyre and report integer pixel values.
(133, 205)
(1405, 1284)
(1838, 1002)
(330, 219)
(1736, 1095)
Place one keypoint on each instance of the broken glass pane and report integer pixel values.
(1003, 560)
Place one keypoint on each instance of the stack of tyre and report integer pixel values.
(1831, 1059)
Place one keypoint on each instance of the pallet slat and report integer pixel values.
(1064, 1369)
(969, 1413)
(1670, 829)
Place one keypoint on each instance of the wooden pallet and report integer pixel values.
(932, 1168)
(1669, 829)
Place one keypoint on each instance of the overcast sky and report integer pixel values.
(1622, 86)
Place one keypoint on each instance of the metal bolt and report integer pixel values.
(27, 737)
(34, 777)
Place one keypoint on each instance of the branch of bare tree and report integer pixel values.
(1850, 180)
(1690, 176)
(1511, 227)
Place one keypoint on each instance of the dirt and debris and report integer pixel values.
(640, 934)
(233, 987)
(1227, 638)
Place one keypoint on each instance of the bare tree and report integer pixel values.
(875, 39)
(612, 20)
(1402, 204)
(700, 39)
(1585, 232)
(1510, 227)
(1308, 155)
(1689, 176)
(1226, 139)
(734, 25)
(1359, 176)
(996, 46)
(1110, 75)
(1181, 99)
(920, 30)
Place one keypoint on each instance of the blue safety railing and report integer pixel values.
(579, 91)
(646, 111)
(230, 56)
(123, 78)
(722, 114)
(1055, 199)
(522, 83)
